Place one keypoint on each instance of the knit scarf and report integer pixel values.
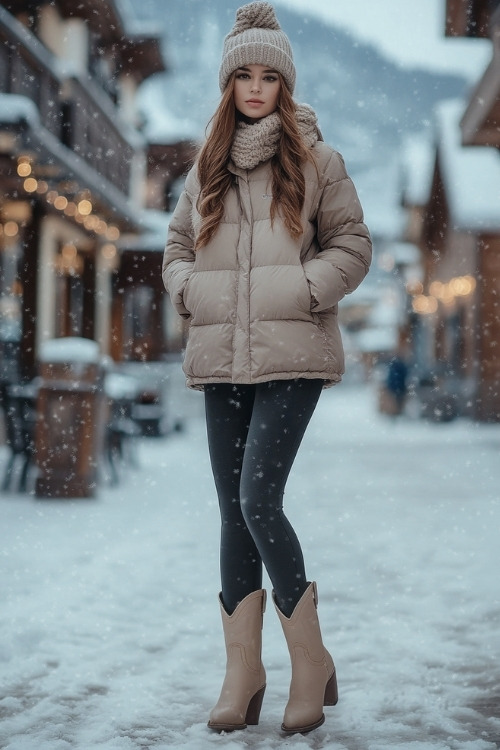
(258, 142)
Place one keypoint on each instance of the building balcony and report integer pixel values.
(74, 126)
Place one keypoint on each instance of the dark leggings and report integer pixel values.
(254, 432)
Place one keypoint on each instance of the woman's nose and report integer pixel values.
(255, 86)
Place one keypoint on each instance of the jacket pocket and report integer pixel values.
(313, 302)
(185, 293)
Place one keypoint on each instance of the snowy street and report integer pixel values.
(110, 633)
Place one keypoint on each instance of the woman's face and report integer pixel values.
(256, 91)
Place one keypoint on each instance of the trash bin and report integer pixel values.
(71, 420)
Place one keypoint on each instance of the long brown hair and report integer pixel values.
(288, 177)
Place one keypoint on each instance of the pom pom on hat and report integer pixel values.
(257, 39)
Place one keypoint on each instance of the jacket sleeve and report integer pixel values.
(345, 246)
(178, 258)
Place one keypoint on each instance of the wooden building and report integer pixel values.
(456, 307)
(145, 326)
(460, 251)
(479, 19)
(73, 178)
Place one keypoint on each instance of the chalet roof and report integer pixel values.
(418, 156)
(470, 174)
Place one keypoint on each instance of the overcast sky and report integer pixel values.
(410, 31)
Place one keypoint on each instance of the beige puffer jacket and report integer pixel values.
(261, 305)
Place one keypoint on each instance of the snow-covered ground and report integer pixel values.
(109, 624)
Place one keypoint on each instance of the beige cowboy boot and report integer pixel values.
(314, 681)
(244, 685)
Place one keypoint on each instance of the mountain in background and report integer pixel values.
(366, 104)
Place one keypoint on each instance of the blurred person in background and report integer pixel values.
(397, 382)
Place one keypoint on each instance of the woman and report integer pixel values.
(266, 239)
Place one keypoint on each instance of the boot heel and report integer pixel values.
(253, 710)
(331, 691)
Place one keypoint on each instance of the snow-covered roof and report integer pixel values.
(378, 192)
(418, 156)
(471, 174)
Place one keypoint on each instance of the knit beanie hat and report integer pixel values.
(257, 39)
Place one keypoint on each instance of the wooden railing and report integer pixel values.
(76, 111)
(92, 134)
(30, 72)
